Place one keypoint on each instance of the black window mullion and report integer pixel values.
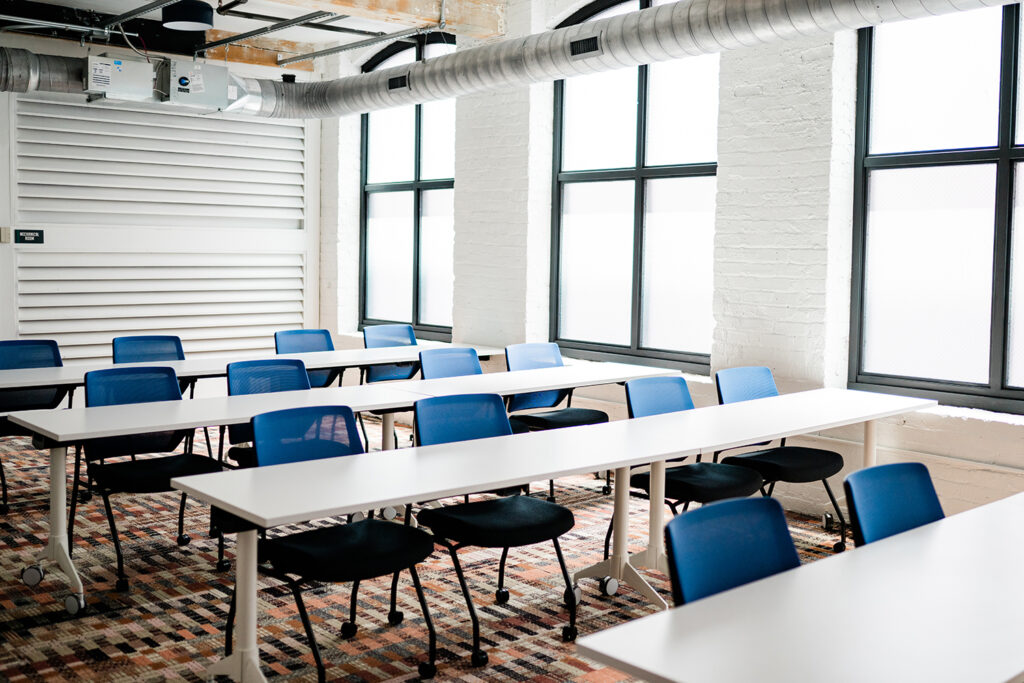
(639, 190)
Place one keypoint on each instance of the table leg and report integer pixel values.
(653, 556)
(387, 423)
(244, 662)
(870, 444)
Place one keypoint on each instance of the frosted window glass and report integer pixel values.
(431, 50)
(682, 111)
(437, 153)
(600, 121)
(928, 278)
(1015, 346)
(679, 234)
(935, 82)
(389, 227)
(437, 244)
(391, 145)
(596, 276)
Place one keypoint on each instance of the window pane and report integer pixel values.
(1015, 342)
(679, 232)
(600, 120)
(928, 272)
(389, 228)
(437, 244)
(935, 82)
(392, 134)
(437, 153)
(596, 277)
(682, 112)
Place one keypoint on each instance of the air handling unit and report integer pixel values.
(194, 84)
(116, 78)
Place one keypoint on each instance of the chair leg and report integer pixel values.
(569, 632)
(321, 674)
(501, 595)
(428, 669)
(394, 616)
(220, 445)
(183, 538)
(608, 537)
(3, 490)
(122, 579)
(607, 483)
(229, 629)
(479, 657)
(74, 500)
(209, 446)
(840, 546)
(362, 425)
(349, 628)
(551, 490)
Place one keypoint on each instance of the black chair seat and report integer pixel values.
(794, 464)
(245, 456)
(348, 552)
(499, 523)
(556, 419)
(150, 475)
(703, 482)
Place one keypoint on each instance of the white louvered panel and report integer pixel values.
(110, 165)
(214, 302)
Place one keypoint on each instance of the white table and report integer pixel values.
(324, 488)
(943, 603)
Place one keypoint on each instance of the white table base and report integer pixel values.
(243, 664)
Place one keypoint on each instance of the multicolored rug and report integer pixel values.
(169, 626)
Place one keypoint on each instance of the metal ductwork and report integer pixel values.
(673, 31)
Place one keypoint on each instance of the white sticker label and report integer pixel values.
(197, 81)
(101, 73)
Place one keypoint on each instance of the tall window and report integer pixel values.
(407, 214)
(938, 295)
(634, 207)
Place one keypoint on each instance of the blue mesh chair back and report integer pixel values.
(120, 386)
(263, 377)
(380, 336)
(657, 395)
(307, 341)
(890, 499)
(745, 384)
(727, 544)
(446, 419)
(299, 434)
(437, 363)
(528, 357)
(29, 353)
(147, 348)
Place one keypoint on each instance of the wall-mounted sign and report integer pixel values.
(28, 236)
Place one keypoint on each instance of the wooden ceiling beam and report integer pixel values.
(262, 51)
(470, 18)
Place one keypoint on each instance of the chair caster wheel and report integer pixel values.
(551, 499)
(184, 539)
(395, 617)
(32, 576)
(569, 633)
(609, 586)
(606, 490)
(223, 565)
(427, 670)
(501, 596)
(121, 586)
(84, 497)
(577, 594)
(348, 629)
(73, 604)
(838, 547)
(479, 658)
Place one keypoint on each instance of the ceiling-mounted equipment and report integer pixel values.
(195, 84)
(188, 15)
(117, 78)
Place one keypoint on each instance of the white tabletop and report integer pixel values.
(74, 375)
(299, 492)
(942, 603)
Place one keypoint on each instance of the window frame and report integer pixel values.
(416, 186)
(639, 173)
(997, 395)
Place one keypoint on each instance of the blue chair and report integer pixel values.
(793, 464)
(700, 482)
(121, 386)
(381, 336)
(890, 499)
(339, 553)
(726, 545)
(451, 362)
(18, 354)
(546, 355)
(308, 341)
(496, 523)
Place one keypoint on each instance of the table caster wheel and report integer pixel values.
(121, 586)
(32, 576)
(577, 594)
(389, 513)
(609, 586)
(501, 596)
(184, 539)
(479, 658)
(395, 618)
(427, 670)
(348, 629)
(606, 490)
(223, 565)
(838, 547)
(73, 604)
(569, 633)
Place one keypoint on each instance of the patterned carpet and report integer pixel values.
(169, 625)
